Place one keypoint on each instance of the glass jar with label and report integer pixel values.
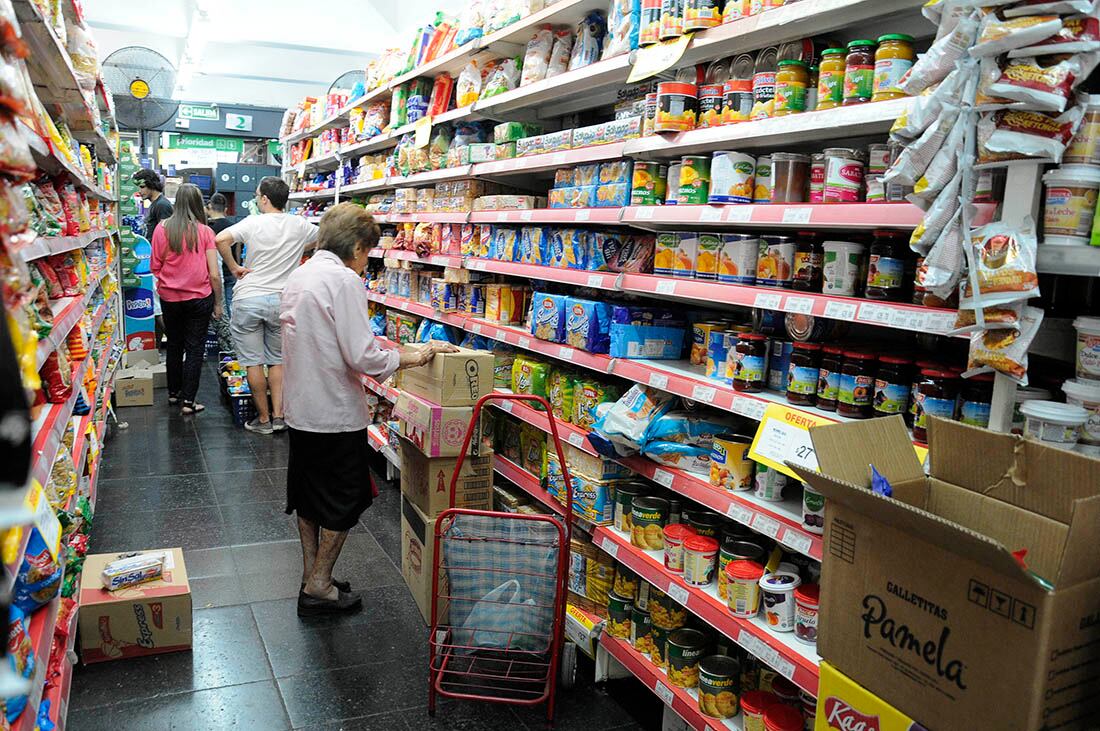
(817, 177)
(886, 270)
(859, 72)
(914, 393)
(937, 394)
(809, 258)
(976, 400)
(893, 383)
(811, 90)
(791, 81)
(830, 78)
(893, 59)
(803, 374)
(828, 380)
(857, 384)
(751, 360)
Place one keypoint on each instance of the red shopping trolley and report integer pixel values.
(499, 584)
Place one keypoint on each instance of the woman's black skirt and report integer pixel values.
(328, 477)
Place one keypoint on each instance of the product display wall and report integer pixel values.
(59, 258)
(701, 232)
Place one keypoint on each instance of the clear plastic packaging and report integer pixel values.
(537, 58)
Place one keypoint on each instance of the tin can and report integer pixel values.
(648, 185)
(677, 105)
(686, 647)
(666, 611)
(743, 587)
(817, 177)
(701, 14)
(733, 178)
(844, 171)
(704, 522)
(649, 515)
(717, 351)
(641, 630)
(659, 656)
(719, 686)
(700, 340)
(775, 265)
(672, 19)
(700, 556)
(706, 258)
(675, 535)
(642, 595)
(650, 29)
(624, 501)
(672, 188)
(625, 582)
(738, 259)
(619, 609)
(710, 101)
(694, 180)
(762, 191)
(730, 466)
(735, 550)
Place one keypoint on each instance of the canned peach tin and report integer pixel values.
(730, 466)
(675, 535)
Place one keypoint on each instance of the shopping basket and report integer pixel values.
(498, 595)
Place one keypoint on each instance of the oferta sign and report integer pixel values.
(206, 112)
(205, 142)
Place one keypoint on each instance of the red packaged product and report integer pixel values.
(442, 91)
(56, 378)
(54, 290)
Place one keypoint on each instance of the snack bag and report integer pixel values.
(681, 456)
(39, 576)
(468, 86)
(1004, 259)
(621, 430)
(588, 394)
(624, 19)
(565, 248)
(532, 445)
(1004, 350)
(20, 651)
(590, 37)
(587, 325)
(1041, 85)
(996, 318)
(1000, 35)
(1015, 134)
(537, 57)
(560, 391)
(530, 376)
(934, 65)
(561, 53)
(548, 316)
(504, 358)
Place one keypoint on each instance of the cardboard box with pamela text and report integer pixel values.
(146, 619)
(451, 379)
(971, 599)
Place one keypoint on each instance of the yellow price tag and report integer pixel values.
(654, 59)
(422, 128)
(581, 617)
(784, 435)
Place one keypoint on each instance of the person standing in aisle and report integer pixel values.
(184, 260)
(276, 241)
(151, 188)
(217, 221)
(327, 346)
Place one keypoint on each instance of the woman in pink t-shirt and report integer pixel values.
(186, 265)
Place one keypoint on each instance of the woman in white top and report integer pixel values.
(327, 345)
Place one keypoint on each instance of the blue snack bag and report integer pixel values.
(39, 577)
(587, 325)
(548, 316)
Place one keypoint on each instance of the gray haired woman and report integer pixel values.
(327, 345)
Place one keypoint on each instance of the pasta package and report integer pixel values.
(1004, 350)
(1003, 257)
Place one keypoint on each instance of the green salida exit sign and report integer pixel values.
(206, 112)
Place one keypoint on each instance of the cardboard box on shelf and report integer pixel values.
(426, 481)
(974, 594)
(843, 704)
(452, 379)
(134, 387)
(438, 431)
(146, 619)
(418, 556)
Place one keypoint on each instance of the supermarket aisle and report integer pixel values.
(218, 492)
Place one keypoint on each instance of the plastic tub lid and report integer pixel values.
(1032, 393)
(786, 580)
(678, 531)
(701, 544)
(1082, 389)
(1055, 412)
(757, 701)
(809, 594)
(1091, 325)
(1085, 174)
(749, 570)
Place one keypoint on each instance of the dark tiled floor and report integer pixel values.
(217, 491)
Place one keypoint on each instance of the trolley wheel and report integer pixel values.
(568, 670)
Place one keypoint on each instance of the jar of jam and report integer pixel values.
(918, 289)
(976, 400)
(914, 396)
(811, 91)
(886, 278)
(791, 82)
(817, 177)
(803, 374)
(830, 78)
(937, 394)
(857, 385)
(859, 72)
(828, 380)
(893, 59)
(809, 258)
(892, 386)
(751, 363)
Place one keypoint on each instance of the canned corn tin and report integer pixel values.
(619, 609)
(719, 686)
(641, 631)
(666, 611)
(659, 636)
(677, 104)
(624, 500)
(649, 515)
(685, 648)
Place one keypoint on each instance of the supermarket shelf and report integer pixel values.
(448, 63)
(780, 521)
(1081, 261)
(47, 246)
(578, 277)
(80, 442)
(859, 120)
(430, 177)
(549, 215)
(42, 626)
(387, 392)
(66, 313)
(374, 144)
(551, 160)
(527, 482)
(440, 260)
(48, 429)
(379, 443)
(340, 119)
(789, 215)
(683, 701)
(54, 163)
(58, 694)
(513, 38)
(458, 217)
(792, 659)
(585, 88)
(365, 187)
(325, 162)
(313, 195)
(525, 341)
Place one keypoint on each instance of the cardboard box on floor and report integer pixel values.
(438, 431)
(146, 619)
(426, 481)
(134, 387)
(451, 379)
(418, 555)
(923, 602)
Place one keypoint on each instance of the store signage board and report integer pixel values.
(238, 122)
(206, 112)
(652, 60)
(205, 142)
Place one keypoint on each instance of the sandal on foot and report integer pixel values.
(192, 408)
(173, 400)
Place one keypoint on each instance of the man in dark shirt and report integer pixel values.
(216, 220)
(151, 188)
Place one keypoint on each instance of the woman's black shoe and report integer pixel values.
(345, 603)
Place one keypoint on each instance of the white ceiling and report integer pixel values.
(261, 52)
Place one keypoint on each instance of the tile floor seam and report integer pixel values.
(270, 665)
(170, 694)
